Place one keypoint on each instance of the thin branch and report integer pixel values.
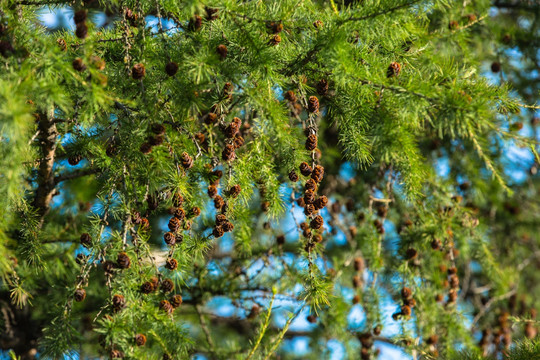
(75, 175)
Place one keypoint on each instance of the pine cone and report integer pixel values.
(147, 287)
(311, 185)
(86, 240)
(180, 214)
(265, 206)
(275, 27)
(167, 285)
(290, 96)
(359, 264)
(311, 142)
(393, 69)
(171, 68)
(317, 222)
(228, 226)
(305, 169)
(357, 281)
(80, 16)
(80, 295)
(411, 254)
(146, 148)
(218, 202)
(176, 301)
(119, 302)
(280, 240)
(187, 161)
(78, 65)
(322, 87)
(211, 13)
(274, 40)
(210, 118)
(309, 209)
(166, 306)
(228, 153)
(138, 71)
(171, 264)
(212, 191)
(177, 200)
(318, 24)
(495, 66)
(313, 104)
(195, 23)
(293, 176)
(318, 173)
(195, 211)
(222, 51)
(140, 340)
(123, 261)
(174, 224)
(321, 202)
(309, 196)
(218, 231)
(406, 310)
(235, 191)
(238, 141)
(406, 293)
(170, 238)
(155, 140)
(81, 31)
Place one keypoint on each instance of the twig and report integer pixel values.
(265, 326)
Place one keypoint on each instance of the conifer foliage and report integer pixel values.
(290, 160)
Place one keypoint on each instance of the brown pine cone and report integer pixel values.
(309, 209)
(81, 31)
(406, 310)
(322, 87)
(218, 202)
(177, 200)
(195, 211)
(78, 65)
(218, 231)
(280, 239)
(238, 141)
(157, 129)
(171, 264)
(166, 306)
(123, 261)
(147, 287)
(233, 128)
(313, 104)
(180, 214)
(311, 185)
(74, 159)
(140, 340)
(318, 173)
(290, 96)
(293, 176)
(274, 40)
(176, 301)
(317, 222)
(195, 23)
(406, 293)
(311, 142)
(187, 161)
(359, 264)
(411, 254)
(235, 191)
(265, 206)
(171, 68)
(167, 285)
(116, 354)
(321, 202)
(275, 27)
(156, 140)
(169, 238)
(212, 191)
(228, 226)
(305, 169)
(393, 69)
(222, 51)
(86, 240)
(357, 281)
(146, 148)
(309, 196)
(80, 16)
(80, 295)
(138, 71)
(454, 281)
(228, 153)
(119, 302)
(221, 219)
(174, 224)
(210, 118)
